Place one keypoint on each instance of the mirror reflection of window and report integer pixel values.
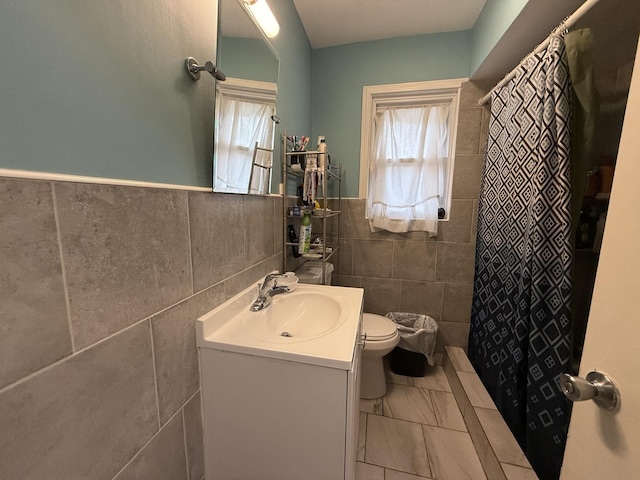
(244, 136)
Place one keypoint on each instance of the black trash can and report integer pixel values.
(417, 343)
(407, 363)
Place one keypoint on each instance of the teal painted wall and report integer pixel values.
(247, 58)
(339, 73)
(100, 88)
(294, 84)
(495, 18)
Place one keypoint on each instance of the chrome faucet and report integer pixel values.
(268, 289)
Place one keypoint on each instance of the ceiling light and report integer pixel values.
(262, 14)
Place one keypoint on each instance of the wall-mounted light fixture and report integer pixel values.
(260, 11)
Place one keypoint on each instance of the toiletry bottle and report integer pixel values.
(293, 238)
(304, 244)
(322, 156)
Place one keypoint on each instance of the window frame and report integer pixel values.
(408, 94)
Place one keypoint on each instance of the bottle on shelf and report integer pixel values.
(293, 238)
(304, 244)
(322, 156)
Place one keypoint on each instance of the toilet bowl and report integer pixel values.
(381, 337)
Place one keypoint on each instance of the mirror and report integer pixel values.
(245, 105)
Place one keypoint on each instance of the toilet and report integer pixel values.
(311, 272)
(381, 337)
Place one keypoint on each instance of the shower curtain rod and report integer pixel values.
(568, 23)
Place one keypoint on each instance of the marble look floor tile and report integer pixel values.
(502, 441)
(475, 390)
(446, 409)
(409, 403)
(396, 444)
(398, 379)
(459, 359)
(435, 379)
(518, 473)
(371, 405)
(437, 358)
(480, 442)
(490, 463)
(364, 471)
(452, 455)
(394, 475)
(454, 383)
(362, 436)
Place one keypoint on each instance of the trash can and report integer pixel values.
(417, 343)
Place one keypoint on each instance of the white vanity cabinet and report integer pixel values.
(281, 411)
(276, 419)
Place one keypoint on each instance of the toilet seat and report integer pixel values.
(378, 328)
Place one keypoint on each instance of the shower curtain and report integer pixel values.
(519, 336)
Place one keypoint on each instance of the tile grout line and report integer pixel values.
(430, 461)
(193, 284)
(184, 437)
(429, 456)
(155, 375)
(444, 290)
(145, 445)
(366, 431)
(108, 337)
(54, 200)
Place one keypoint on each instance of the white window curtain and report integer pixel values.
(407, 172)
(241, 123)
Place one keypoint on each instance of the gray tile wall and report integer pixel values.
(412, 272)
(100, 287)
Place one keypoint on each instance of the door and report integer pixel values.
(602, 444)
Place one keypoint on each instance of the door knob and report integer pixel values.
(597, 387)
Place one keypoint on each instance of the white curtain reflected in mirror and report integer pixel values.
(244, 136)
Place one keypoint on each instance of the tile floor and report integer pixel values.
(441, 426)
(415, 432)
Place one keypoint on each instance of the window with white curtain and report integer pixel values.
(244, 136)
(407, 154)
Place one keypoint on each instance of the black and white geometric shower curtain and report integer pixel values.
(519, 337)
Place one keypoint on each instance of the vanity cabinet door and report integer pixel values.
(266, 418)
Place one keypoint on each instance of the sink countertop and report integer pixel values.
(222, 329)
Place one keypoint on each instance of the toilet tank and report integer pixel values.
(311, 272)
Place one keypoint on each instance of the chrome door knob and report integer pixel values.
(597, 387)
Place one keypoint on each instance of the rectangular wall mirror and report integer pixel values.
(245, 105)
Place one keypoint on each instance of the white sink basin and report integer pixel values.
(315, 324)
(295, 317)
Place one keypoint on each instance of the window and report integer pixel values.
(244, 134)
(407, 153)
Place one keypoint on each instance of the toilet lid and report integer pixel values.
(378, 327)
